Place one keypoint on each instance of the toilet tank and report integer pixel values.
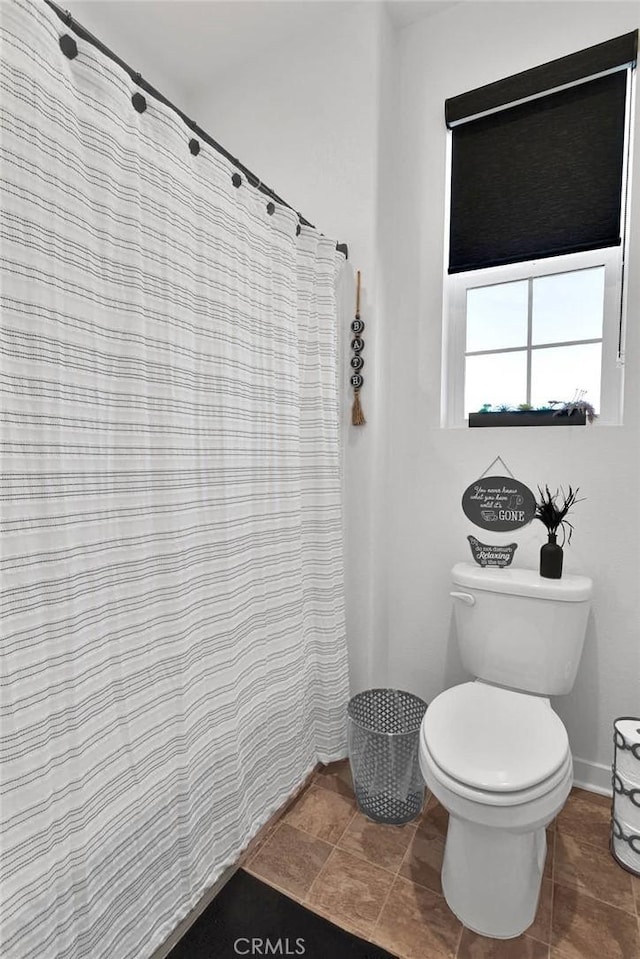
(517, 629)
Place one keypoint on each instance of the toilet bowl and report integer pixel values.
(499, 761)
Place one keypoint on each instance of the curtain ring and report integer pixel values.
(139, 102)
(68, 46)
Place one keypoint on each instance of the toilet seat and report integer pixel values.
(487, 799)
(495, 742)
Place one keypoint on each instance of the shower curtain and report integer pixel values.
(173, 653)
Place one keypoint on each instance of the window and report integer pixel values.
(536, 332)
(534, 290)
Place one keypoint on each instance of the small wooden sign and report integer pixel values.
(486, 555)
(499, 503)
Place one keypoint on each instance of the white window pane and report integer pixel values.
(568, 306)
(497, 316)
(557, 372)
(495, 378)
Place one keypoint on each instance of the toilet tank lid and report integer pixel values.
(522, 582)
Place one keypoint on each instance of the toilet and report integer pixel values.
(493, 751)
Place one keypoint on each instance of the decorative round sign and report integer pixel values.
(499, 503)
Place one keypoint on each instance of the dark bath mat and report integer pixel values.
(249, 918)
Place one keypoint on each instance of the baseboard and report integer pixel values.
(595, 777)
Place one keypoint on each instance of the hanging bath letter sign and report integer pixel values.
(499, 503)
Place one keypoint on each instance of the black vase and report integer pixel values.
(551, 559)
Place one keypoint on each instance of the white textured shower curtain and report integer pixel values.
(173, 652)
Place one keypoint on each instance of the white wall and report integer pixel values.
(305, 118)
(428, 467)
(134, 32)
(347, 124)
(303, 114)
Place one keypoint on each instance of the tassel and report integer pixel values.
(357, 416)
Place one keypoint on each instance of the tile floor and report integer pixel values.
(383, 882)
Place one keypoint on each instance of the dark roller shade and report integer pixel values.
(539, 179)
(577, 66)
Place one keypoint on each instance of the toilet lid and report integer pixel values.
(494, 739)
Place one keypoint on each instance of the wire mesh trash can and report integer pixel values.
(384, 736)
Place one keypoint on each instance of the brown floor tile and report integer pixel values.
(635, 882)
(586, 816)
(593, 870)
(322, 813)
(473, 946)
(361, 929)
(289, 859)
(383, 845)
(596, 798)
(423, 862)
(336, 777)
(584, 928)
(350, 890)
(551, 845)
(257, 842)
(541, 928)
(434, 820)
(415, 923)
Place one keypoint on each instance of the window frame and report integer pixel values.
(456, 333)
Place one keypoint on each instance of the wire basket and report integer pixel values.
(625, 810)
(384, 737)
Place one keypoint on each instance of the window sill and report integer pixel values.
(526, 418)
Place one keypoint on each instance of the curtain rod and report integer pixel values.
(252, 179)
